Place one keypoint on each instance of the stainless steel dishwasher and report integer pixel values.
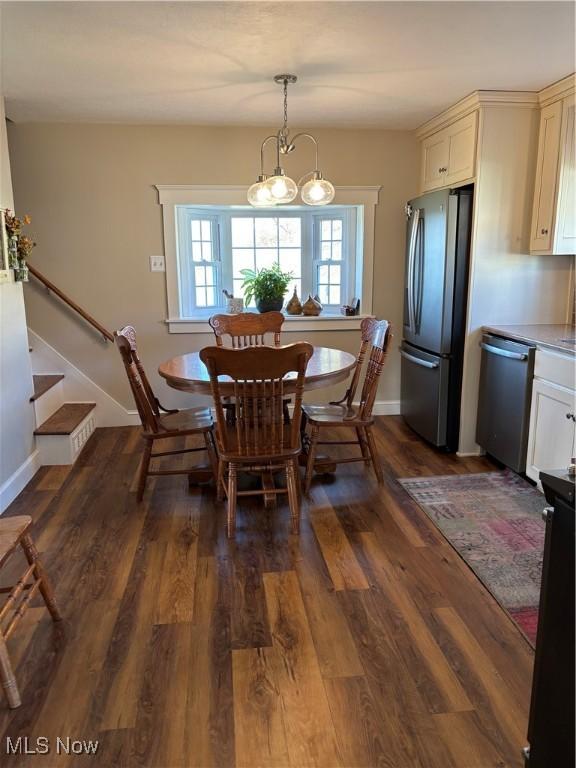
(506, 375)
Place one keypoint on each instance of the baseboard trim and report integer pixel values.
(386, 408)
(18, 480)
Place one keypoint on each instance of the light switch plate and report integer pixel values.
(157, 264)
(4, 276)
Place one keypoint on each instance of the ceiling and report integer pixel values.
(360, 64)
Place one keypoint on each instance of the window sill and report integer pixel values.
(293, 324)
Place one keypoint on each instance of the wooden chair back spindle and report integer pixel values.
(380, 341)
(146, 402)
(258, 374)
(247, 329)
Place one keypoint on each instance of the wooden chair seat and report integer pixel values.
(185, 422)
(334, 415)
(14, 533)
(11, 529)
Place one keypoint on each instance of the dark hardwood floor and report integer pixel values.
(364, 642)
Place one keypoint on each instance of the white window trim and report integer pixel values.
(171, 195)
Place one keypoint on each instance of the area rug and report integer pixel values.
(494, 521)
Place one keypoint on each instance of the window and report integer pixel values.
(215, 244)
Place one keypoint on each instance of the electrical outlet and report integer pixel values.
(4, 276)
(157, 264)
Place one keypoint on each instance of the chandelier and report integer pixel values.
(277, 188)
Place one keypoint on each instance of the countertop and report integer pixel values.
(547, 336)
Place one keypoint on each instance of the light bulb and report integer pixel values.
(317, 192)
(283, 189)
(259, 195)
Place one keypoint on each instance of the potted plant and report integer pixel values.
(267, 286)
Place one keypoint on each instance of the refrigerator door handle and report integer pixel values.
(418, 272)
(418, 360)
(503, 352)
(411, 269)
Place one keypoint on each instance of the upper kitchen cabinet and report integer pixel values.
(448, 155)
(553, 229)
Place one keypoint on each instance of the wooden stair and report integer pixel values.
(66, 419)
(43, 382)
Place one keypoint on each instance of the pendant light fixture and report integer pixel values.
(278, 188)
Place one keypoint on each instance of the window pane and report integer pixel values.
(337, 250)
(200, 297)
(266, 257)
(207, 251)
(242, 258)
(334, 274)
(195, 230)
(289, 231)
(210, 276)
(334, 294)
(197, 251)
(206, 230)
(199, 276)
(337, 229)
(326, 251)
(242, 232)
(323, 274)
(323, 294)
(266, 231)
(289, 260)
(326, 230)
(210, 297)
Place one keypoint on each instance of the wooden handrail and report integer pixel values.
(72, 304)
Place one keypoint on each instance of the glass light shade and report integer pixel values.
(283, 189)
(259, 195)
(317, 192)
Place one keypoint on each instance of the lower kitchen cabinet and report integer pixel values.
(552, 436)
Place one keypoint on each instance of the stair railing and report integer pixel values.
(72, 304)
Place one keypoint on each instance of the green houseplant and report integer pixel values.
(267, 286)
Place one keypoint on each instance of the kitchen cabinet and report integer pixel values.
(552, 432)
(448, 155)
(553, 228)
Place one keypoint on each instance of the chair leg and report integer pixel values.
(363, 445)
(46, 588)
(311, 458)
(220, 481)
(7, 678)
(293, 499)
(232, 487)
(144, 465)
(374, 454)
(210, 450)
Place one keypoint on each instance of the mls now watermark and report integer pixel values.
(42, 745)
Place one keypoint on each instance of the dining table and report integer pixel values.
(326, 367)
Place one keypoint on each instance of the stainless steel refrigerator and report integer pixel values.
(435, 297)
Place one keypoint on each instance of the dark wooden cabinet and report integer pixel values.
(551, 724)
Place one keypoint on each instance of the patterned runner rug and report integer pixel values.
(493, 520)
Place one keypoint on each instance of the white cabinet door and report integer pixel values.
(551, 437)
(546, 178)
(434, 161)
(565, 228)
(461, 149)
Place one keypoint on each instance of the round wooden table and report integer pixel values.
(326, 367)
(188, 373)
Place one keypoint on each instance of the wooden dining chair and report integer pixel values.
(14, 534)
(247, 329)
(344, 413)
(259, 440)
(160, 423)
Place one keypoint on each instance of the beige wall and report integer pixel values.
(96, 218)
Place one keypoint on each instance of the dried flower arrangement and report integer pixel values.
(19, 245)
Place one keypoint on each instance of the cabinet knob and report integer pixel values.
(442, 170)
(543, 231)
(571, 416)
(547, 513)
